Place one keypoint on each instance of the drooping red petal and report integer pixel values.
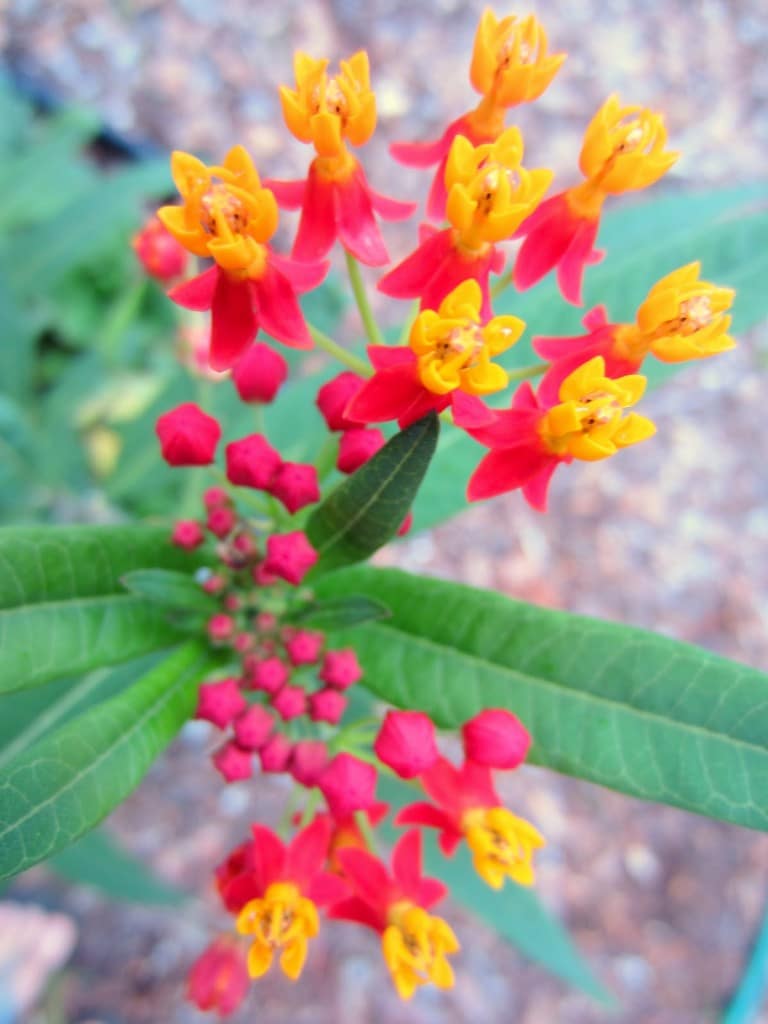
(358, 231)
(303, 276)
(430, 892)
(549, 232)
(317, 226)
(477, 785)
(575, 258)
(268, 856)
(442, 783)
(470, 411)
(438, 193)
(506, 469)
(279, 310)
(407, 871)
(421, 154)
(234, 320)
(509, 429)
(424, 403)
(384, 356)
(595, 318)
(386, 396)
(326, 888)
(390, 209)
(558, 348)
(410, 277)
(536, 490)
(289, 194)
(358, 911)
(366, 874)
(308, 851)
(455, 268)
(448, 841)
(425, 814)
(198, 292)
(549, 388)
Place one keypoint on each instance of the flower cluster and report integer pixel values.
(280, 699)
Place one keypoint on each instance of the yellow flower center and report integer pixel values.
(502, 845)
(589, 423)
(219, 204)
(283, 920)
(415, 945)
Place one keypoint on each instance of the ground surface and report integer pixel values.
(664, 904)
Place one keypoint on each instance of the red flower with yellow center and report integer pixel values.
(335, 200)
(510, 65)
(447, 363)
(228, 216)
(529, 441)
(467, 807)
(489, 195)
(623, 150)
(394, 903)
(275, 890)
(681, 318)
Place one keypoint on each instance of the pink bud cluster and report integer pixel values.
(357, 444)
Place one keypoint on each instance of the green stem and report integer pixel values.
(333, 349)
(526, 372)
(362, 822)
(501, 284)
(361, 298)
(122, 312)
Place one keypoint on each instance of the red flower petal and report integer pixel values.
(390, 209)
(386, 395)
(424, 403)
(358, 231)
(409, 278)
(198, 292)
(505, 470)
(470, 411)
(234, 321)
(268, 854)
(421, 154)
(358, 911)
(303, 276)
(366, 873)
(575, 258)
(425, 814)
(317, 227)
(406, 862)
(438, 193)
(289, 194)
(536, 490)
(384, 356)
(279, 310)
(509, 429)
(308, 851)
(442, 783)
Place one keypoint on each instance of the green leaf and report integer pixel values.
(515, 913)
(98, 860)
(367, 509)
(339, 613)
(63, 610)
(622, 707)
(172, 590)
(62, 786)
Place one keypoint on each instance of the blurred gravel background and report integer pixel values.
(664, 904)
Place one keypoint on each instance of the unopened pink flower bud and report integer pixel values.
(188, 436)
(269, 675)
(262, 577)
(290, 702)
(341, 669)
(275, 755)
(187, 534)
(245, 545)
(348, 785)
(295, 485)
(357, 446)
(266, 621)
(327, 706)
(253, 727)
(244, 642)
(214, 497)
(220, 702)
(260, 374)
(214, 584)
(252, 462)
(220, 628)
(221, 521)
(304, 646)
(289, 556)
(308, 761)
(406, 743)
(334, 396)
(161, 256)
(495, 739)
(233, 762)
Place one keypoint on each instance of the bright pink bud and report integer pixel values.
(232, 602)
(214, 497)
(252, 462)
(245, 546)
(260, 374)
(243, 642)
(266, 621)
(308, 761)
(406, 524)
(221, 521)
(234, 763)
(187, 534)
(158, 251)
(253, 727)
(276, 753)
(348, 785)
(496, 739)
(220, 702)
(304, 646)
(290, 702)
(357, 446)
(219, 978)
(269, 675)
(341, 668)
(220, 628)
(188, 436)
(335, 396)
(289, 556)
(295, 484)
(406, 743)
(327, 706)
(263, 578)
(214, 584)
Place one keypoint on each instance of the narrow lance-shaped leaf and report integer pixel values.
(622, 707)
(367, 509)
(339, 613)
(61, 787)
(169, 589)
